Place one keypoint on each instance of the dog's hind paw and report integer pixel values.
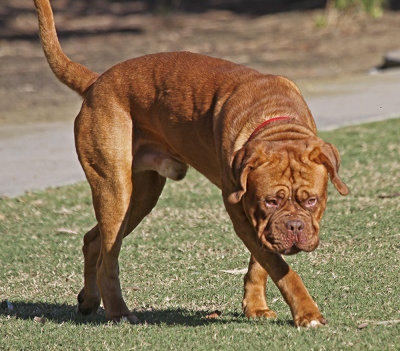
(126, 318)
(131, 318)
(86, 305)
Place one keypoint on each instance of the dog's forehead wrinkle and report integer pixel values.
(291, 182)
(291, 166)
(285, 165)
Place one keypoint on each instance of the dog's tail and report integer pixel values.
(73, 74)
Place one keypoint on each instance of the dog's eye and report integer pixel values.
(311, 202)
(272, 203)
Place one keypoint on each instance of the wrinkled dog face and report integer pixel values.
(285, 203)
(283, 191)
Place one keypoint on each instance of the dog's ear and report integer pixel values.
(243, 162)
(240, 171)
(329, 156)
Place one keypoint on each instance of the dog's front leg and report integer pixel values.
(304, 310)
(254, 300)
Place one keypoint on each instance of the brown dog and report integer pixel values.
(146, 119)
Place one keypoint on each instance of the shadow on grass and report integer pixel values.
(58, 313)
(63, 313)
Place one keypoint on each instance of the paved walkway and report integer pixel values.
(363, 99)
(39, 156)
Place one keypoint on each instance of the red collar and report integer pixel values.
(264, 123)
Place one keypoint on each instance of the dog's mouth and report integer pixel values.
(291, 251)
(273, 246)
(286, 240)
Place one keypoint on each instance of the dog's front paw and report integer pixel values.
(87, 305)
(259, 313)
(310, 320)
(256, 309)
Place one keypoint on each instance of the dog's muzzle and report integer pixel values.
(290, 235)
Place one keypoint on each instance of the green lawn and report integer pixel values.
(172, 266)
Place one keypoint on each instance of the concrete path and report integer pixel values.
(363, 99)
(35, 157)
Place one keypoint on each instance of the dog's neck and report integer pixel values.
(274, 129)
(263, 124)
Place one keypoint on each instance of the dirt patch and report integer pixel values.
(288, 43)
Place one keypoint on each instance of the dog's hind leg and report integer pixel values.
(147, 187)
(120, 199)
(89, 297)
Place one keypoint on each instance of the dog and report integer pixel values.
(251, 134)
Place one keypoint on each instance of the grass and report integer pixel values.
(171, 267)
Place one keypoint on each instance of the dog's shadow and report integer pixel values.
(63, 313)
(41, 312)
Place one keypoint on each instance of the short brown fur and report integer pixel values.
(147, 119)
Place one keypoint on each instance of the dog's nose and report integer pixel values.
(295, 226)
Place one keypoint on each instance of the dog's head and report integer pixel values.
(282, 186)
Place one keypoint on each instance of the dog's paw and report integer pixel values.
(256, 308)
(87, 305)
(131, 318)
(311, 320)
(128, 318)
(259, 313)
